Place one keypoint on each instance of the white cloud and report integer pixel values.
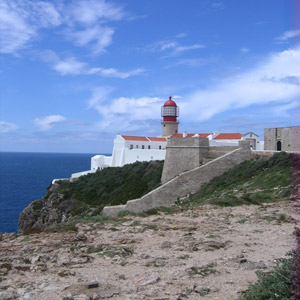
(264, 84)
(89, 12)
(21, 20)
(124, 113)
(49, 121)
(181, 35)
(82, 21)
(179, 49)
(288, 35)
(91, 15)
(173, 47)
(98, 37)
(72, 66)
(192, 62)
(7, 127)
(111, 72)
(245, 50)
(99, 94)
(282, 110)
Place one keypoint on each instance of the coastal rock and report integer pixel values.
(42, 213)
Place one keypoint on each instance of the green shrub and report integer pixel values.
(113, 186)
(62, 227)
(254, 181)
(274, 285)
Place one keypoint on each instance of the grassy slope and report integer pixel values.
(252, 182)
(113, 186)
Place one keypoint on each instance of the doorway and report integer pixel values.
(279, 146)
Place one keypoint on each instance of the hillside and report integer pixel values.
(254, 181)
(90, 193)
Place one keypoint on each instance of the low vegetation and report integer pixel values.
(254, 181)
(275, 285)
(112, 186)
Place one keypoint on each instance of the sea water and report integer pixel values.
(24, 177)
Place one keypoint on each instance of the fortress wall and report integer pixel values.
(183, 154)
(267, 153)
(184, 184)
(216, 151)
(288, 136)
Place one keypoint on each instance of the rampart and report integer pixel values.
(184, 154)
(267, 153)
(186, 183)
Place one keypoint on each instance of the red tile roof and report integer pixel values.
(143, 138)
(134, 138)
(180, 135)
(156, 139)
(228, 136)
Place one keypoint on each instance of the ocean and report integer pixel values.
(24, 177)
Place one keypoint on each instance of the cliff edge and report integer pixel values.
(43, 212)
(89, 194)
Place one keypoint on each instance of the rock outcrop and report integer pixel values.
(43, 212)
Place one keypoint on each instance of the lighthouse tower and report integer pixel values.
(169, 112)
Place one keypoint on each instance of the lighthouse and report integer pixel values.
(169, 112)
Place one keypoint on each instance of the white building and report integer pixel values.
(226, 139)
(129, 149)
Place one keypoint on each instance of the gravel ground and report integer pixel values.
(206, 252)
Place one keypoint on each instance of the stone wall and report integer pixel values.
(184, 154)
(184, 184)
(268, 153)
(289, 137)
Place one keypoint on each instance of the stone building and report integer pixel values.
(282, 138)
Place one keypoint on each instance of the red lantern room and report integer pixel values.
(170, 111)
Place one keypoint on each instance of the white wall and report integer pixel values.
(134, 155)
(220, 143)
(100, 162)
(259, 145)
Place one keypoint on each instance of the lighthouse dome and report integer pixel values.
(169, 111)
(170, 102)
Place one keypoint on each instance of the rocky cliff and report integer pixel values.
(43, 212)
(89, 194)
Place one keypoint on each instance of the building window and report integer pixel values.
(143, 147)
(159, 147)
(149, 147)
(131, 147)
(137, 146)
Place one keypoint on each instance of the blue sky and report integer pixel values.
(73, 74)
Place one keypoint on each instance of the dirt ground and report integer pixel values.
(206, 252)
